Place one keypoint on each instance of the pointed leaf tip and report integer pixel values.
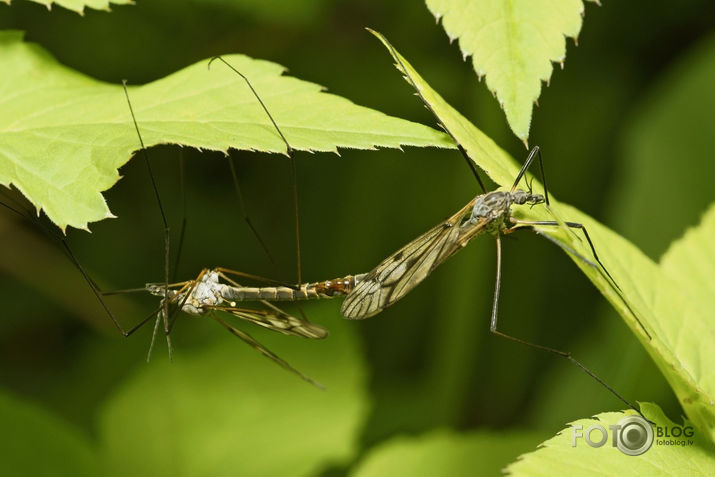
(514, 47)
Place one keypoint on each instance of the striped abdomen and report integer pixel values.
(307, 291)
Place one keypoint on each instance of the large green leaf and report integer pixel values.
(668, 456)
(513, 45)
(660, 302)
(445, 452)
(63, 135)
(36, 443)
(79, 5)
(229, 411)
(690, 261)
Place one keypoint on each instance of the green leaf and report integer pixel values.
(36, 443)
(692, 456)
(661, 305)
(445, 452)
(690, 261)
(226, 410)
(63, 135)
(512, 44)
(79, 5)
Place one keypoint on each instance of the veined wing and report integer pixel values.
(395, 276)
(277, 320)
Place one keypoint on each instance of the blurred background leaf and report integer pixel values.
(431, 359)
(35, 442)
(226, 409)
(443, 452)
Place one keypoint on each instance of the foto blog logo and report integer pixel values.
(632, 435)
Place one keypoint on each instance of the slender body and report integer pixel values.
(307, 291)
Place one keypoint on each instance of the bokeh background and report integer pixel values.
(626, 130)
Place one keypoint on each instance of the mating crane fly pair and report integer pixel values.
(365, 294)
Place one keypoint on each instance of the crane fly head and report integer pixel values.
(523, 197)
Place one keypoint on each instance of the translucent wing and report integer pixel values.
(277, 320)
(395, 276)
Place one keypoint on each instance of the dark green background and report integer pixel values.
(625, 136)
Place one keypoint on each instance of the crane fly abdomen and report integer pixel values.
(307, 291)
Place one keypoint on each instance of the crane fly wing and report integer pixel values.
(276, 319)
(395, 276)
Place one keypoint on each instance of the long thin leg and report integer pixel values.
(294, 181)
(92, 284)
(153, 334)
(184, 293)
(289, 153)
(602, 269)
(96, 290)
(246, 218)
(573, 225)
(227, 271)
(407, 76)
(165, 223)
(535, 153)
(182, 231)
(563, 354)
(98, 294)
(248, 339)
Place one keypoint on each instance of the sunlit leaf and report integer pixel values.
(690, 261)
(693, 456)
(660, 303)
(513, 45)
(445, 453)
(63, 135)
